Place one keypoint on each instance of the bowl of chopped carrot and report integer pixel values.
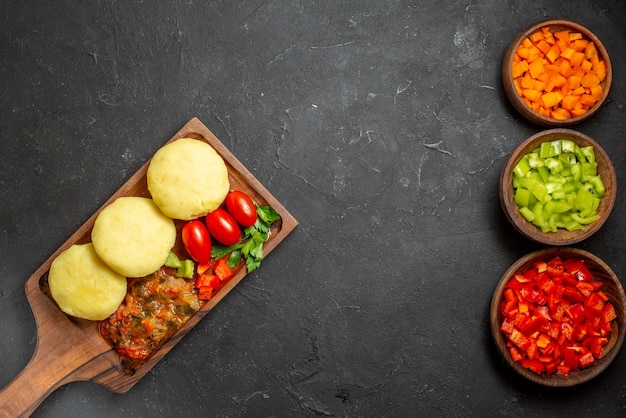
(557, 73)
(558, 187)
(557, 316)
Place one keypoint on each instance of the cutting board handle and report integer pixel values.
(41, 376)
(62, 355)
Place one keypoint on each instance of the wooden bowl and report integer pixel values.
(562, 236)
(512, 93)
(611, 287)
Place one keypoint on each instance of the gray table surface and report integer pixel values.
(381, 125)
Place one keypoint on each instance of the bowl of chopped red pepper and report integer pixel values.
(557, 73)
(557, 316)
(558, 187)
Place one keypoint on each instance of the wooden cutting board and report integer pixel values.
(70, 349)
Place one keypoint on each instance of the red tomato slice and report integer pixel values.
(223, 227)
(197, 241)
(241, 207)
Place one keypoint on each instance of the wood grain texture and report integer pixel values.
(69, 349)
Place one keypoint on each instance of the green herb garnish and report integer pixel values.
(251, 249)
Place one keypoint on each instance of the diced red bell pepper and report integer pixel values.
(594, 303)
(555, 267)
(536, 297)
(534, 365)
(572, 294)
(223, 270)
(515, 354)
(203, 280)
(543, 341)
(596, 346)
(205, 293)
(551, 367)
(563, 370)
(509, 295)
(519, 340)
(576, 312)
(555, 317)
(570, 358)
(535, 324)
(608, 313)
(530, 274)
(567, 330)
(587, 360)
(548, 287)
(203, 268)
(507, 327)
(522, 307)
(585, 288)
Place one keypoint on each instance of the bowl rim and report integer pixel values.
(576, 377)
(532, 232)
(516, 101)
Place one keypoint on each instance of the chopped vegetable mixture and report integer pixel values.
(558, 186)
(555, 317)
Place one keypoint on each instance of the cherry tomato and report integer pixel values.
(197, 241)
(223, 227)
(241, 207)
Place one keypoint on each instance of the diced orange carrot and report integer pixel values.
(590, 50)
(558, 73)
(565, 69)
(579, 44)
(534, 53)
(522, 52)
(590, 80)
(600, 70)
(577, 59)
(519, 68)
(536, 37)
(551, 99)
(517, 82)
(561, 35)
(573, 81)
(569, 102)
(567, 53)
(538, 85)
(596, 92)
(536, 68)
(560, 114)
(586, 66)
(556, 81)
(553, 68)
(587, 100)
(573, 36)
(565, 91)
(543, 46)
(532, 95)
(553, 54)
(536, 106)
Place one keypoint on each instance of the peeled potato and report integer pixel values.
(83, 286)
(187, 179)
(133, 237)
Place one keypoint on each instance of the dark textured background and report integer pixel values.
(381, 125)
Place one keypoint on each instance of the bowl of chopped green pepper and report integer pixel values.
(558, 187)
